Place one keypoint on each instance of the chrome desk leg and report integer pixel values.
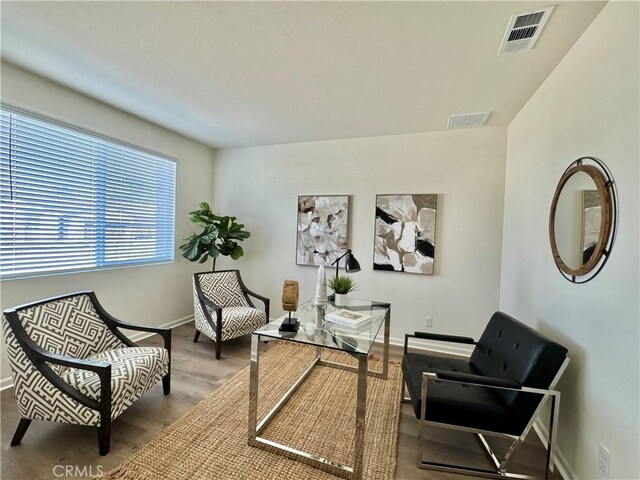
(385, 346)
(361, 406)
(253, 389)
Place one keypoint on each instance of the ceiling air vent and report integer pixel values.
(524, 29)
(467, 120)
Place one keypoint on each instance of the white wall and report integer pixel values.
(260, 186)
(152, 295)
(589, 105)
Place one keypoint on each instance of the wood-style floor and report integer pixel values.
(49, 450)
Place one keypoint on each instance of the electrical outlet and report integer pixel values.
(428, 322)
(604, 459)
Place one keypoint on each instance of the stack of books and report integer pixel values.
(349, 318)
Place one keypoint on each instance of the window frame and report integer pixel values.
(55, 122)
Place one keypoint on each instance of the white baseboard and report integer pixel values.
(433, 346)
(561, 462)
(8, 382)
(142, 335)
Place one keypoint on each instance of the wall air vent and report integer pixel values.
(524, 29)
(468, 120)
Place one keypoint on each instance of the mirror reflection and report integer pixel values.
(578, 220)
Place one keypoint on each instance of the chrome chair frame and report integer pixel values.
(500, 463)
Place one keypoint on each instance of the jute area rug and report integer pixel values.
(210, 440)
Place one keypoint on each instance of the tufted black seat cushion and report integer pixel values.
(453, 403)
(508, 349)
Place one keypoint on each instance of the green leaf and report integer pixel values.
(213, 250)
(192, 252)
(237, 252)
(209, 236)
(227, 247)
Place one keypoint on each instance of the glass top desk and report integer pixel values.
(316, 332)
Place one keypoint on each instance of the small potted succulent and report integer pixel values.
(341, 285)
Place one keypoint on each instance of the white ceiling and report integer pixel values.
(254, 73)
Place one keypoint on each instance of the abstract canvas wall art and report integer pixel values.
(405, 233)
(322, 229)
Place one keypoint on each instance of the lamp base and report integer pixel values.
(289, 325)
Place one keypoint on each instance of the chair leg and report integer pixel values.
(20, 431)
(218, 349)
(104, 438)
(166, 383)
(196, 336)
(403, 398)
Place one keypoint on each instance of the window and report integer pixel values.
(71, 200)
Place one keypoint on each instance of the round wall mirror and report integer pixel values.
(583, 218)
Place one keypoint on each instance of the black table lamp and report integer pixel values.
(351, 265)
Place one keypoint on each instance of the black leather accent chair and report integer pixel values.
(499, 390)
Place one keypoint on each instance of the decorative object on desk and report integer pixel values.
(290, 294)
(322, 229)
(405, 232)
(341, 286)
(351, 265)
(349, 318)
(320, 300)
(220, 236)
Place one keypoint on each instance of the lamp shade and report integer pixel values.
(351, 265)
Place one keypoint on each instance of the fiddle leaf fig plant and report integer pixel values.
(220, 236)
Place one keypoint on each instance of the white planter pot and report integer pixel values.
(341, 300)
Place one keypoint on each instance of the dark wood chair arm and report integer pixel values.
(165, 333)
(256, 295)
(246, 291)
(203, 298)
(265, 301)
(206, 301)
(41, 358)
(114, 324)
(42, 355)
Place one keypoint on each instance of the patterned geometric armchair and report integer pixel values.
(222, 307)
(70, 363)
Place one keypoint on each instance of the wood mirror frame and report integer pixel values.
(608, 218)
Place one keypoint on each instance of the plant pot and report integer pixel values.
(341, 300)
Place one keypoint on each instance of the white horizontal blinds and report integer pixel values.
(70, 200)
(138, 206)
(47, 216)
